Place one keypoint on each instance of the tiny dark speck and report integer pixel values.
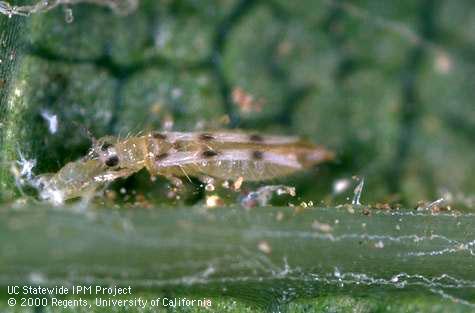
(160, 136)
(256, 138)
(178, 146)
(161, 156)
(257, 155)
(209, 153)
(206, 137)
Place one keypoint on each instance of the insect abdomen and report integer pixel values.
(229, 156)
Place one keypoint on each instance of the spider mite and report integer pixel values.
(219, 154)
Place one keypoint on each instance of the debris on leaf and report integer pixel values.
(323, 227)
(214, 201)
(263, 195)
(52, 120)
(264, 246)
(357, 193)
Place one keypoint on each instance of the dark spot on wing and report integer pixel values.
(158, 135)
(206, 137)
(257, 155)
(209, 153)
(162, 156)
(179, 146)
(113, 160)
(256, 138)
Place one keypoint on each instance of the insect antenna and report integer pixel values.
(86, 132)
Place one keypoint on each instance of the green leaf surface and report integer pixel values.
(254, 256)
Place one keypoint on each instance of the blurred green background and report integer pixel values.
(387, 85)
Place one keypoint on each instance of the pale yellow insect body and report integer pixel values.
(220, 155)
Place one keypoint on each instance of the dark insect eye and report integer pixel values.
(105, 146)
(113, 160)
